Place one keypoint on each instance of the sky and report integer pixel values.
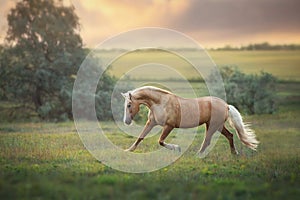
(212, 23)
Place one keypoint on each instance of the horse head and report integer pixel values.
(131, 107)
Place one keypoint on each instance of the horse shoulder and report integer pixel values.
(158, 114)
(169, 110)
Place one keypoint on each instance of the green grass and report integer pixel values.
(49, 161)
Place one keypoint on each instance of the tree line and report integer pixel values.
(260, 46)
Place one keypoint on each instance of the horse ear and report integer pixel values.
(130, 96)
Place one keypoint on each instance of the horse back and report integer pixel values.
(194, 112)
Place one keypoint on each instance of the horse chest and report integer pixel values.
(159, 115)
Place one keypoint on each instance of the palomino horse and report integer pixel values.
(171, 111)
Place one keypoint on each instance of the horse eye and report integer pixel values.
(129, 105)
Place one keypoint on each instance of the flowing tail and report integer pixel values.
(244, 132)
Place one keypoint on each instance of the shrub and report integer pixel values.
(253, 94)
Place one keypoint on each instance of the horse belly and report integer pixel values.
(189, 114)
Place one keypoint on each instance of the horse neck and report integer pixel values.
(148, 97)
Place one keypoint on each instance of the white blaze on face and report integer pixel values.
(125, 111)
(127, 117)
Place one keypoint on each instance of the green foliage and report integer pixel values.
(253, 94)
(104, 97)
(43, 54)
(39, 63)
(142, 115)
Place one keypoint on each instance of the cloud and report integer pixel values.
(105, 18)
(211, 22)
(231, 19)
(5, 7)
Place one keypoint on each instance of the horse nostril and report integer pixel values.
(128, 121)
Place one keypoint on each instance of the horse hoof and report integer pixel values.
(177, 147)
(201, 155)
(129, 150)
(235, 153)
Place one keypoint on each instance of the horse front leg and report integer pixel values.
(149, 125)
(166, 130)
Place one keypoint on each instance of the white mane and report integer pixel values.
(150, 88)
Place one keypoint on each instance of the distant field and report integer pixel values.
(283, 64)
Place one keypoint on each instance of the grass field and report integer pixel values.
(48, 161)
(283, 64)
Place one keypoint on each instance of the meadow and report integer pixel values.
(282, 64)
(40, 160)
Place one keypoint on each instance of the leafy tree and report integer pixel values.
(44, 51)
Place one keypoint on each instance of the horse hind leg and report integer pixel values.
(206, 142)
(229, 137)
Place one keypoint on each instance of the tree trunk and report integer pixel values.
(36, 98)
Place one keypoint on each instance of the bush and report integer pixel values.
(87, 101)
(252, 94)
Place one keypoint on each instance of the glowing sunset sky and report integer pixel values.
(211, 22)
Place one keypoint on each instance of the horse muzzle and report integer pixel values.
(128, 121)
